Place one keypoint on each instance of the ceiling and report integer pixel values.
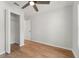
(29, 11)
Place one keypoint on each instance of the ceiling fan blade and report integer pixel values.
(35, 7)
(16, 4)
(25, 5)
(42, 2)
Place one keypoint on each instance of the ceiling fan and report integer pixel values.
(33, 3)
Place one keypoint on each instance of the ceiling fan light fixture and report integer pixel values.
(32, 3)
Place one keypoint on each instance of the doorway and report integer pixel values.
(14, 30)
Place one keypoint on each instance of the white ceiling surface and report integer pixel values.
(29, 11)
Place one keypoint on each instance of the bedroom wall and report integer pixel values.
(54, 27)
(76, 29)
(2, 35)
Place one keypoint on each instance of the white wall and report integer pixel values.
(2, 32)
(76, 28)
(54, 27)
(15, 28)
(3, 6)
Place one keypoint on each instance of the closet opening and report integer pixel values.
(15, 32)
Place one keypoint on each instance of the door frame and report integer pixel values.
(8, 29)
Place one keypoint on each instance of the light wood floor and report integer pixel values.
(36, 50)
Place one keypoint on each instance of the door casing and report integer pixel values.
(8, 29)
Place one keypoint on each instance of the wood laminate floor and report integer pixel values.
(36, 50)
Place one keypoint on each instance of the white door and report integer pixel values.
(8, 29)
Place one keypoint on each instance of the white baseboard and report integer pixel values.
(52, 45)
(75, 54)
(21, 45)
(3, 52)
(28, 38)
